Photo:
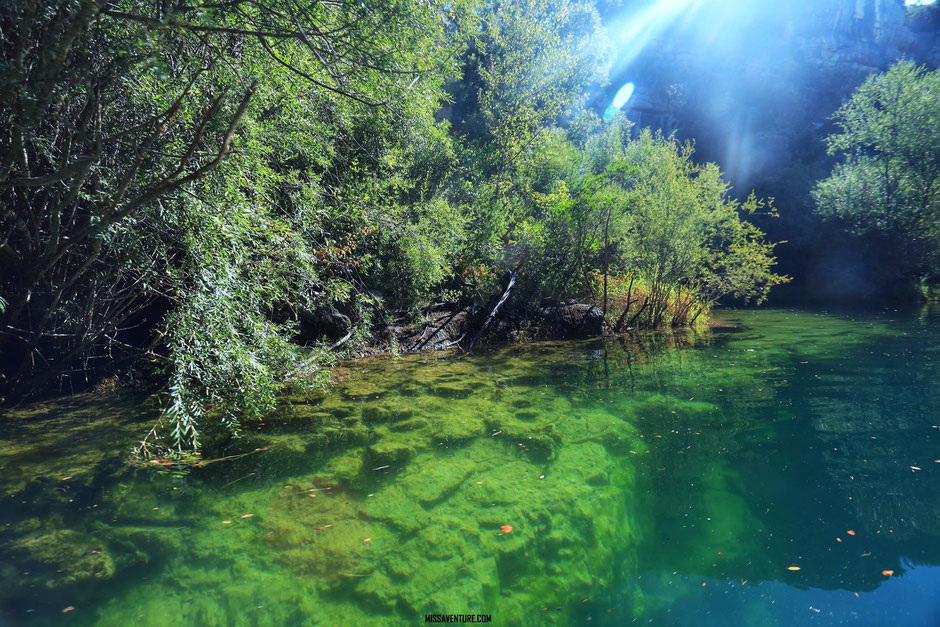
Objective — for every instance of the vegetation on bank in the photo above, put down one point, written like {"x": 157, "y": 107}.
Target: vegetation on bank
{"x": 182, "y": 185}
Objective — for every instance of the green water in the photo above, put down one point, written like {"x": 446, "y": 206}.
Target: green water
{"x": 667, "y": 479}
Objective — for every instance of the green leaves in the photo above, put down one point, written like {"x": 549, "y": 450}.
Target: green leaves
{"x": 233, "y": 166}
{"x": 641, "y": 208}
{"x": 889, "y": 179}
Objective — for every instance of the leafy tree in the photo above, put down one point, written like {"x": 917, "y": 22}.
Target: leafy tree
{"x": 530, "y": 67}
{"x": 203, "y": 160}
{"x": 643, "y": 209}
{"x": 888, "y": 182}
{"x": 689, "y": 241}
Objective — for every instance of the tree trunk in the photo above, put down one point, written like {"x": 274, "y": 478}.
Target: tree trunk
{"x": 489, "y": 319}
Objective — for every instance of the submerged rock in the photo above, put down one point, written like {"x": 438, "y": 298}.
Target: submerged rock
{"x": 64, "y": 556}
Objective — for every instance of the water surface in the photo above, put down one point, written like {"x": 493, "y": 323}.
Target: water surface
{"x": 781, "y": 469}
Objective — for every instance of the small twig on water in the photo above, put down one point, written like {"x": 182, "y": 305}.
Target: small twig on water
{"x": 239, "y": 479}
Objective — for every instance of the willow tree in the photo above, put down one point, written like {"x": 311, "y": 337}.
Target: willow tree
{"x": 179, "y": 169}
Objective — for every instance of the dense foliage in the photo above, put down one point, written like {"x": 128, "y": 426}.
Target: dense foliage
{"x": 639, "y": 208}
{"x": 206, "y": 162}
{"x": 186, "y": 184}
{"x": 888, "y": 182}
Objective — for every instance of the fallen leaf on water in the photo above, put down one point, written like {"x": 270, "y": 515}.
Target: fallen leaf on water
{"x": 850, "y": 532}
{"x": 68, "y": 609}
{"x": 887, "y": 573}
{"x": 506, "y": 528}
{"x": 246, "y": 515}
{"x": 793, "y": 567}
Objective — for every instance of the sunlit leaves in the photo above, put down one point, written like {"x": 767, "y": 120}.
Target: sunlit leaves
{"x": 643, "y": 208}
{"x": 889, "y": 180}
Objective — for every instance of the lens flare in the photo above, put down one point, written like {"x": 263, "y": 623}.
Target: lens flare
{"x": 633, "y": 31}
{"x": 620, "y": 100}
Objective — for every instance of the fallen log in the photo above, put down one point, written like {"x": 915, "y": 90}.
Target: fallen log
{"x": 489, "y": 319}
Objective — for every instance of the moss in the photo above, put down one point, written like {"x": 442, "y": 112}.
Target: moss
{"x": 64, "y": 556}
{"x": 586, "y": 465}
{"x": 346, "y": 467}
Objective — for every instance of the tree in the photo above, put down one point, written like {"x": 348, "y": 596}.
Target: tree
{"x": 642, "y": 209}
{"x": 689, "y": 241}
{"x": 189, "y": 173}
{"x": 531, "y": 65}
{"x": 888, "y": 182}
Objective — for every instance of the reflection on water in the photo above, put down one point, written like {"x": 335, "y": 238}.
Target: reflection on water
{"x": 781, "y": 469}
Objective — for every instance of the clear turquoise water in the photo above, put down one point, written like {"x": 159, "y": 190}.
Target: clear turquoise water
{"x": 667, "y": 479}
